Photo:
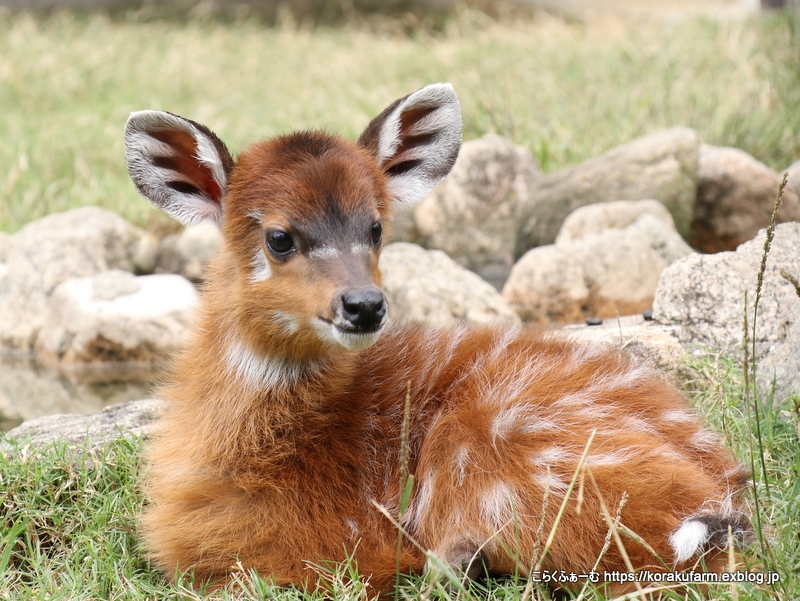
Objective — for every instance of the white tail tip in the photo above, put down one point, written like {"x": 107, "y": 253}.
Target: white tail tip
{"x": 688, "y": 540}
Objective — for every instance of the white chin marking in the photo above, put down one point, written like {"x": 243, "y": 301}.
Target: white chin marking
{"x": 688, "y": 539}
{"x": 353, "y": 341}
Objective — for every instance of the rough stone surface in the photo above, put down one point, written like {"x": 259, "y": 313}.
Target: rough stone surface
{"x": 655, "y": 344}
{"x": 792, "y": 181}
{"x": 52, "y": 250}
{"x": 189, "y": 252}
{"x": 611, "y": 273}
{"x": 134, "y": 418}
{"x": 6, "y": 241}
{"x": 735, "y": 198}
{"x": 704, "y": 295}
{"x": 615, "y": 215}
{"x": 426, "y": 286}
{"x": 116, "y": 316}
{"x": 474, "y": 214}
{"x": 661, "y": 166}
{"x": 661, "y": 237}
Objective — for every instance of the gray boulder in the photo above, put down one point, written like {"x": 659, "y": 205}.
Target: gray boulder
{"x": 662, "y": 166}
{"x": 615, "y": 215}
{"x": 614, "y": 272}
{"x": 792, "y": 181}
{"x": 116, "y": 316}
{"x": 49, "y": 251}
{"x": 649, "y": 342}
{"x": 704, "y": 296}
{"x": 474, "y": 214}
{"x": 6, "y": 241}
{"x": 735, "y": 198}
{"x": 189, "y": 252}
{"x": 134, "y": 418}
{"x": 426, "y": 286}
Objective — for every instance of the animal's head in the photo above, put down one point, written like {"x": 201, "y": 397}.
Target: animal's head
{"x": 302, "y": 216}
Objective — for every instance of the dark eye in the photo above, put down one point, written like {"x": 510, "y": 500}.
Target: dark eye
{"x": 280, "y": 243}
{"x": 376, "y": 232}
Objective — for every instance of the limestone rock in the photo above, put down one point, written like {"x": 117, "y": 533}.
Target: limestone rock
{"x": 655, "y": 344}
{"x": 6, "y": 241}
{"x": 792, "y": 181}
{"x": 116, "y": 316}
{"x": 189, "y": 252}
{"x": 95, "y": 431}
{"x": 49, "y": 251}
{"x": 735, "y": 198}
{"x": 661, "y": 166}
{"x": 704, "y": 295}
{"x": 426, "y": 286}
{"x": 615, "y": 215}
{"x": 611, "y": 273}
{"x": 474, "y": 214}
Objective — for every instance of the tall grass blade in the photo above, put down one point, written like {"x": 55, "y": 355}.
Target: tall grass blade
{"x": 753, "y": 362}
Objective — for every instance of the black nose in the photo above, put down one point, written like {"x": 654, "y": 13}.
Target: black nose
{"x": 364, "y": 309}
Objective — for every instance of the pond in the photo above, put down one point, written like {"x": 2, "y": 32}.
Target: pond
{"x": 29, "y": 389}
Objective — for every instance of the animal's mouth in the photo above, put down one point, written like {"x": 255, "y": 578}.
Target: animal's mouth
{"x": 349, "y": 336}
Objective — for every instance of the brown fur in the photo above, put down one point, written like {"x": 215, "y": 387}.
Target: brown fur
{"x": 285, "y": 472}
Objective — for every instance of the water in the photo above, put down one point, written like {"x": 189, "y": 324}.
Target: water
{"x": 29, "y": 389}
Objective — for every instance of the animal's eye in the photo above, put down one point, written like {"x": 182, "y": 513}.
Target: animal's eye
{"x": 280, "y": 243}
{"x": 376, "y": 233}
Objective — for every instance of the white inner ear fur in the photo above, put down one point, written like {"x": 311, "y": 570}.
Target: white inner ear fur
{"x": 141, "y": 147}
{"x": 410, "y": 187}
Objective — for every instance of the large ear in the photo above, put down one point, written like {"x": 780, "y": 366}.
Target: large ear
{"x": 416, "y": 141}
{"x": 178, "y": 165}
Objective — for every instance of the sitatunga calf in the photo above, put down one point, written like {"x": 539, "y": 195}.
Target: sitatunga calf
{"x": 282, "y": 438}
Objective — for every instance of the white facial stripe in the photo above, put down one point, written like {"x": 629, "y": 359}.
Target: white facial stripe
{"x": 261, "y": 268}
{"x": 325, "y": 252}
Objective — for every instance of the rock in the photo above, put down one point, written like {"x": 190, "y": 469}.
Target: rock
{"x": 426, "y": 286}
{"x": 6, "y": 241}
{"x": 792, "y": 181}
{"x": 735, "y": 198}
{"x": 661, "y": 237}
{"x": 615, "y": 215}
{"x": 116, "y": 316}
{"x": 133, "y": 418}
{"x": 611, "y": 273}
{"x": 662, "y": 166}
{"x": 146, "y": 254}
{"x": 704, "y": 295}
{"x": 654, "y": 344}
{"x": 189, "y": 252}
{"x": 52, "y": 250}
{"x": 474, "y": 214}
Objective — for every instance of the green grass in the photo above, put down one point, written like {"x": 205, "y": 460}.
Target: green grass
{"x": 565, "y": 90}
{"x": 68, "y": 526}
